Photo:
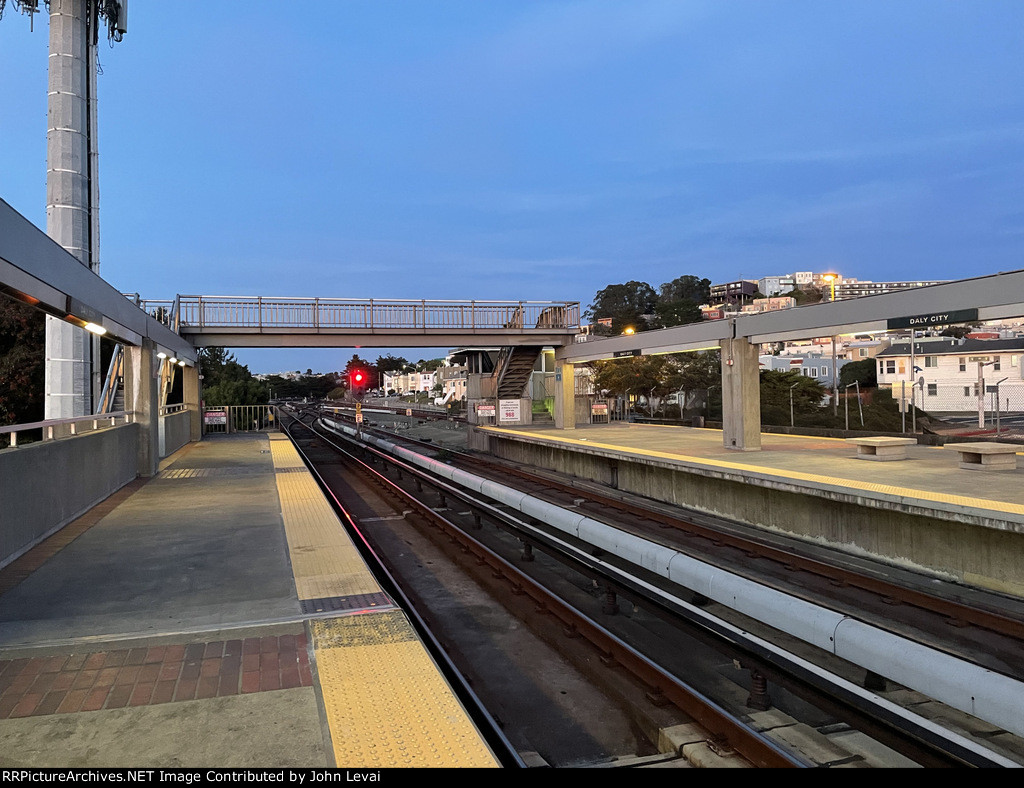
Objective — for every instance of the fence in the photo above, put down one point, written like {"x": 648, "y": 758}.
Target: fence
{"x": 226, "y": 419}
{"x": 58, "y": 428}
{"x": 959, "y": 407}
{"x": 340, "y": 313}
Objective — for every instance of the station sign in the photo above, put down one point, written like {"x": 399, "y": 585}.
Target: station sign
{"x": 934, "y": 319}
{"x": 625, "y": 353}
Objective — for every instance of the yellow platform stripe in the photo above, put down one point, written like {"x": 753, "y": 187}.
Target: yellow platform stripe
{"x": 386, "y": 703}
{"x": 886, "y": 489}
{"x": 325, "y": 562}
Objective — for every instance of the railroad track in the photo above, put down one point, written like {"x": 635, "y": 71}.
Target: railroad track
{"x": 982, "y": 627}
{"x": 920, "y": 740}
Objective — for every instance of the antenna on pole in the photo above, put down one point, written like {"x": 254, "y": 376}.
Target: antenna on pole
{"x": 113, "y": 12}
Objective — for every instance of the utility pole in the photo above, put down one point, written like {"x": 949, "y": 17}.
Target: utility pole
{"x": 73, "y": 381}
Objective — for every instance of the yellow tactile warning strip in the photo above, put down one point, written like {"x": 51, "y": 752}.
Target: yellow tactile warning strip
{"x": 386, "y": 702}
{"x": 387, "y": 705}
{"x": 324, "y": 560}
{"x": 835, "y": 481}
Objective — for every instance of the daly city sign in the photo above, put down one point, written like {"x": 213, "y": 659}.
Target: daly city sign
{"x": 935, "y": 319}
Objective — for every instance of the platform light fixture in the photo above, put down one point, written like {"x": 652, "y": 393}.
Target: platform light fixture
{"x": 98, "y": 330}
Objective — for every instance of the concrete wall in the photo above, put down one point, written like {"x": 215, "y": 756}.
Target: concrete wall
{"x": 175, "y": 432}
{"x": 44, "y": 486}
{"x": 988, "y": 554}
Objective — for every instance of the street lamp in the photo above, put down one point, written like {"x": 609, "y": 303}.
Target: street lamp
{"x": 831, "y": 279}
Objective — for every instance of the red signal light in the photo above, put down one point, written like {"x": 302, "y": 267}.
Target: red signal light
{"x": 358, "y": 377}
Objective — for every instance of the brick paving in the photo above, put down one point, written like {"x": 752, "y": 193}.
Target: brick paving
{"x": 143, "y": 676}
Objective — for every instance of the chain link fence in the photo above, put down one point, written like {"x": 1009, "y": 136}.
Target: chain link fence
{"x": 959, "y": 408}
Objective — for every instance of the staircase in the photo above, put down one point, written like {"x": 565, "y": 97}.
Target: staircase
{"x": 515, "y": 371}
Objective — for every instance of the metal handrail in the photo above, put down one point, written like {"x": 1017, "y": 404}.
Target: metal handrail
{"x": 114, "y": 373}
{"x": 338, "y": 313}
{"x": 49, "y": 424}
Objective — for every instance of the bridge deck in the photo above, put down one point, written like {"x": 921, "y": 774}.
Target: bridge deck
{"x": 217, "y": 615}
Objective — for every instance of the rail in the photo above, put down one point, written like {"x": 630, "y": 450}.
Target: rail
{"x": 239, "y": 418}
{"x": 259, "y": 312}
{"x": 50, "y": 426}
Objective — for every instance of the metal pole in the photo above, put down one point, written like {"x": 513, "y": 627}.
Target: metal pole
{"x": 998, "y": 409}
{"x": 72, "y": 196}
{"x": 792, "y": 422}
{"x": 981, "y": 396}
{"x": 835, "y": 376}
{"x": 903, "y": 404}
{"x": 860, "y": 406}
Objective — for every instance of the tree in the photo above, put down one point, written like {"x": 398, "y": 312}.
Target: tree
{"x": 959, "y": 331}
{"x": 22, "y": 362}
{"x": 390, "y": 363}
{"x": 640, "y": 376}
{"x": 808, "y": 396}
{"x": 677, "y": 313}
{"x": 430, "y": 365}
{"x": 864, "y": 372}
{"x": 625, "y": 304}
{"x": 811, "y": 295}
{"x": 695, "y": 371}
{"x": 690, "y": 288}
{"x": 226, "y": 382}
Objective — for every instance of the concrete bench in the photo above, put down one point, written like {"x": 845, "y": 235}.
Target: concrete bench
{"x": 987, "y": 456}
{"x": 882, "y": 449}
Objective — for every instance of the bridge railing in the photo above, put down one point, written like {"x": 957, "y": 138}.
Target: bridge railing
{"x": 340, "y": 313}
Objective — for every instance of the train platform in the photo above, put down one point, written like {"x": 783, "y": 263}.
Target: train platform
{"x": 925, "y": 510}
{"x": 217, "y": 615}
{"x": 930, "y": 475}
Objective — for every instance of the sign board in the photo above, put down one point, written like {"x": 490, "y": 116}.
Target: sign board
{"x": 215, "y": 417}
{"x": 485, "y": 410}
{"x": 599, "y": 409}
{"x": 624, "y": 353}
{"x": 359, "y": 418}
{"x": 408, "y": 411}
{"x": 508, "y": 410}
{"x": 979, "y": 359}
{"x": 359, "y": 407}
{"x": 934, "y": 319}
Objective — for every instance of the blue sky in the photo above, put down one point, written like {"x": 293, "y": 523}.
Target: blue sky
{"x": 537, "y": 150}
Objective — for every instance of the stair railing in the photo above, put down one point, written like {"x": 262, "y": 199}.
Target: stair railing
{"x": 114, "y": 374}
